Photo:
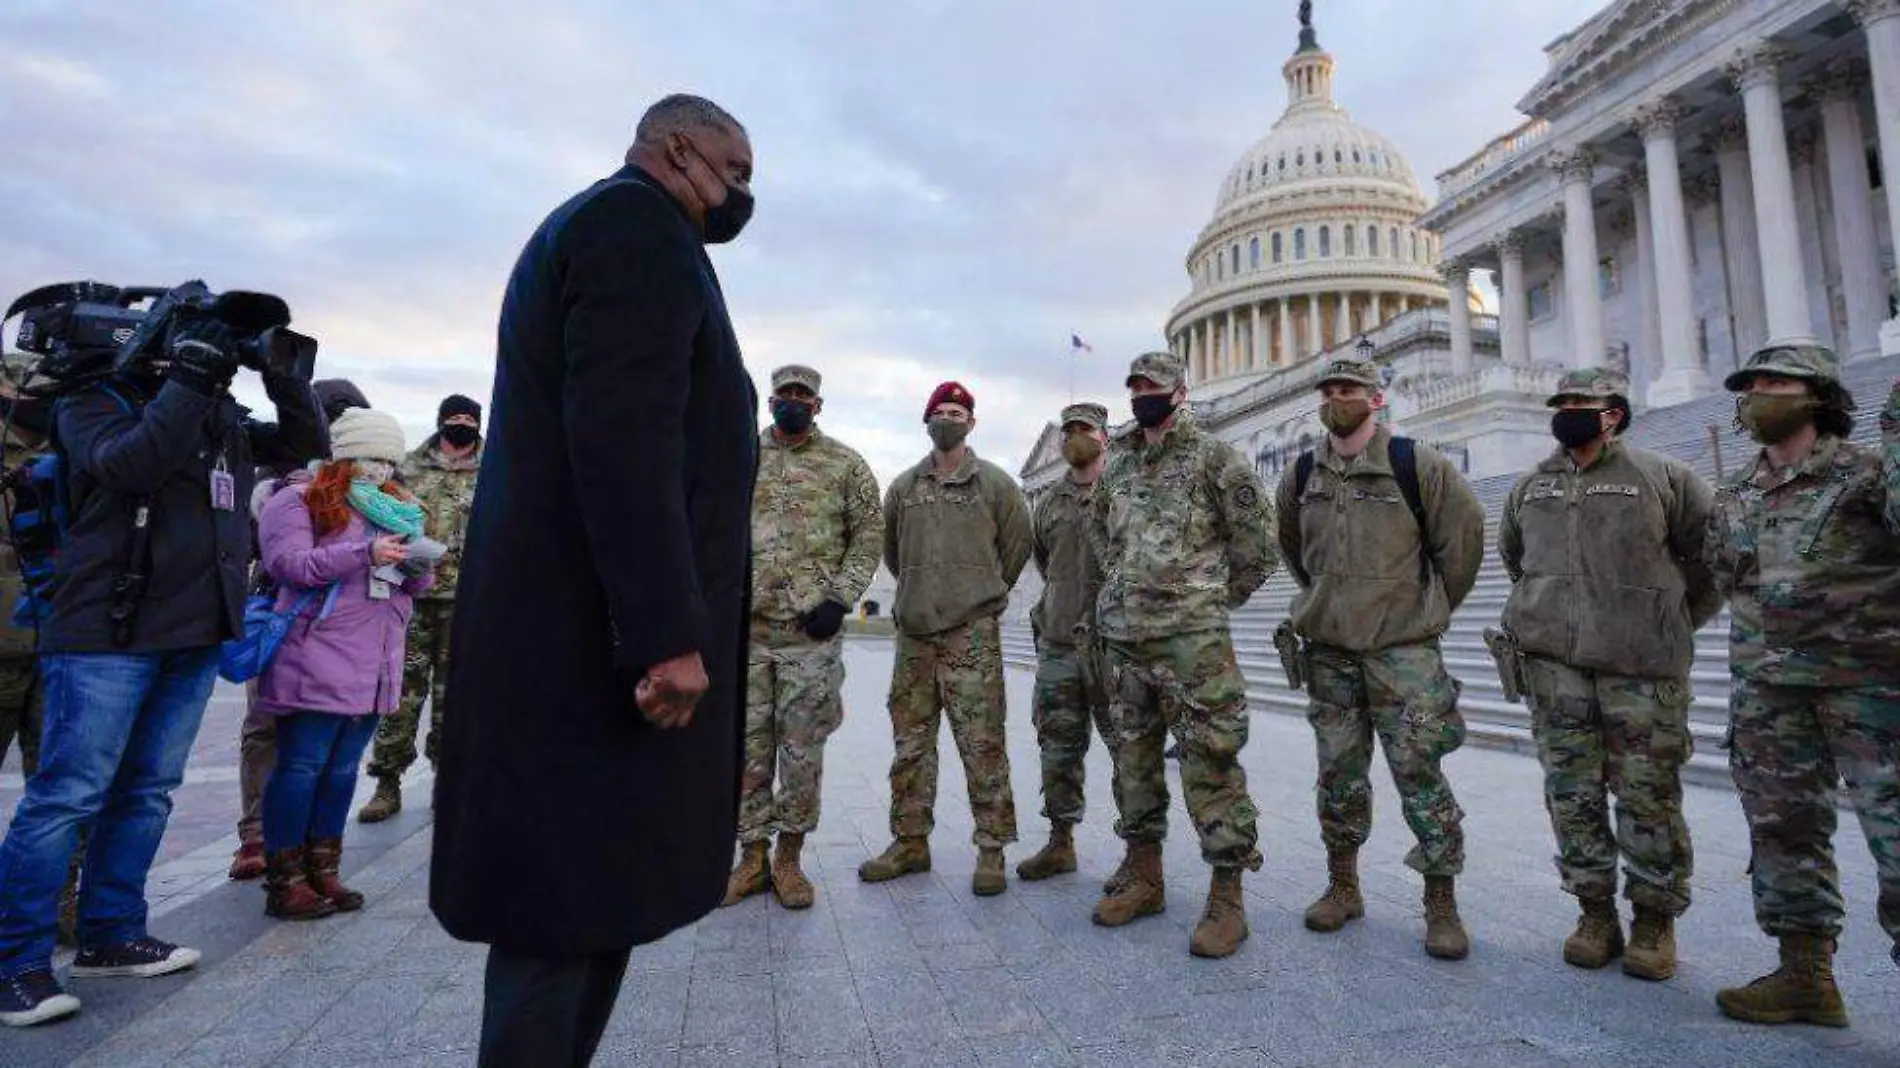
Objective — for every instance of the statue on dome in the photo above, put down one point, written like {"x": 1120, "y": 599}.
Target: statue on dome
{"x": 1306, "y": 14}
{"x": 1309, "y": 38}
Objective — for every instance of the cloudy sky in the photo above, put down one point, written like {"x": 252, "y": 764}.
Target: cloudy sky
{"x": 947, "y": 188}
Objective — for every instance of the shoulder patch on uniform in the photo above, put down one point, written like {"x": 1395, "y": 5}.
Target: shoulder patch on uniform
{"x": 1245, "y": 496}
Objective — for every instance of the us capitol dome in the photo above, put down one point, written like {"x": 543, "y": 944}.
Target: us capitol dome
{"x": 1314, "y": 240}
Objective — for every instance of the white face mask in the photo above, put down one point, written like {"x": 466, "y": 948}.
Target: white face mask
{"x": 375, "y": 472}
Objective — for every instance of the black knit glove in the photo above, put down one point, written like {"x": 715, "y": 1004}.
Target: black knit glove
{"x": 203, "y": 355}
{"x": 824, "y": 622}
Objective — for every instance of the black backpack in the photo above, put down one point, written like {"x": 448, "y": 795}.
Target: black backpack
{"x": 1405, "y": 470}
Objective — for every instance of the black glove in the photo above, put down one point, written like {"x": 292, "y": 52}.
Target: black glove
{"x": 203, "y": 355}
{"x": 824, "y": 622}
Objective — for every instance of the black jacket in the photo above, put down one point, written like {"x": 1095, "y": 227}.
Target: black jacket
{"x": 164, "y": 451}
{"x": 611, "y": 531}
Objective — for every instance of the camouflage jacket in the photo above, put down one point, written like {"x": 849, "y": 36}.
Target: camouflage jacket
{"x": 1606, "y": 562}
{"x": 957, "y": 543}
{"x": 1810, "y": 559}
{"x": 815, "y": 526}
{"x": 15, "y": 642}
{"x": 446, "y": 489}
{"x": 1183, "y": 531}
{"x": 1353, "y": 546}
{"x": 1071, "y": 581}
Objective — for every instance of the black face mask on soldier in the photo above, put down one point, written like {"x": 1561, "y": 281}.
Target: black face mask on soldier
{"x": 460, "y": 435}
{"x": 792, "y": 417}
{"x": 1576, "y": 427}
{"x": 1152, "y": 409}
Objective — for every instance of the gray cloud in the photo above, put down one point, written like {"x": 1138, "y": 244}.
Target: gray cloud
{"x": 946, "y": 189}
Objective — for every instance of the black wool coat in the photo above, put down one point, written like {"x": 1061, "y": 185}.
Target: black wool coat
{"x": 610, "y": 531}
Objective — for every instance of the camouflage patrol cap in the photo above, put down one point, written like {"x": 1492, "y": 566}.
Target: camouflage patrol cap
{"x": 796, "y": 375}
{"x": 1358, "y": 372}
{"x": 1790, "y": 359}
{"x": 1092, "y": 415}
{"x": 1162, "y": 368}
{"x": 1591, "y": 383}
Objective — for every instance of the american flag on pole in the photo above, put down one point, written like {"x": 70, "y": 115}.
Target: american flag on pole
{"x": 1076, "y": 344}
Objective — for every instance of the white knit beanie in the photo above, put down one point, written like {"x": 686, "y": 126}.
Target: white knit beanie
{"x": 366, "y": 434}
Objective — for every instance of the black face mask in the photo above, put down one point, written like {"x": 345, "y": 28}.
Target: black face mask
{"x": 792, "y": 417}
{"x": 1153, "y": 409}
{"x": 1576, "y": 427}
{"x": 460, "y": 436}
{"x": 724, "y": 221}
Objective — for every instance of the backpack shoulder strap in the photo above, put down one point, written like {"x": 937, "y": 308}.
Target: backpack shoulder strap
{"x": 1404, "y": 454}
{"x": 1302, "y": 473}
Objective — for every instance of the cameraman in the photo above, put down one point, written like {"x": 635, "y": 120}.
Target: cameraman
{"x": 151, "y": 579}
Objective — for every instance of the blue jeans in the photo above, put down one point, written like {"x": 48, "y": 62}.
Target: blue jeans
{"x": 119, "y": 728}
{"x": 308, "y": 798}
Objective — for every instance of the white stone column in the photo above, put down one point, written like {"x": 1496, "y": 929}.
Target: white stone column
{"x": 1458, "y": 281}
{"x": 1583, "y": 307}
{"x": 1286, "y": 331}
{"x": 1514, "y": 307}
{"x": 1310, "y": 336}
{"x": 1863, "y": 284}
{"x": 1375, "y": 314}
{"x": 1256, "y": 355}
{"x": 1784, "y": 276}
{"x": 1683, "y": 377}
{"x": 1747, "y": 303}
{"x": 1882, "y": 21}
{"x": 1636, "y": 185}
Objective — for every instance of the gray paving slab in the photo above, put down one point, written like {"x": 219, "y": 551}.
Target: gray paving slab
{"x": 921, "y": 972}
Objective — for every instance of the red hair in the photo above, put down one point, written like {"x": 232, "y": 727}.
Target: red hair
{"x": 328, "y": 496}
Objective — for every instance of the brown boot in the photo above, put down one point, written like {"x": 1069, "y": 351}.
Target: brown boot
{"x": 1056, "y": 858}
{"x": 1143, "y": 893}
{"x": 1598, "y": 939}
{"x": 322, "y": 859}
{"x": 1802, "y": 990}
{"x": 248, "y": 861}
{"x": 749, "y": 877}
{"x": 1445, "y": 936}
{"x": 902, "y": 857}
{"x": 789, "y": 884}
{"x": 386, "y": 803}
{"x": 1119, "y": 877}
{"x": 1652, "y": 951}
{"x": 288, "y": 894}
{"x": 1223, "y": 926}
{"x": 1341, "y": 903}
{"x": 989, "y": 880}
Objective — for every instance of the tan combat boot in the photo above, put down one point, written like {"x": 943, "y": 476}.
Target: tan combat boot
{"x": 1142, "y": 894}
{"x": 902, "y": 857}
{"x": 1119, "y": 877}
{"x": 1223, "y": 926}
{"x": 989, "y": 880}
{"x": 749, "y": 876}
{"x": 1056, "y": 858}
{"x": 789, "y": 884}
{"x": 1652, "y": 950}
{"x": 1802, "y": 990}
{"x": 1598, "y": 939}
{"x": 1341, "y": 902}
{"x": 1445, "y": 936}
{"x": 386, "y": 803}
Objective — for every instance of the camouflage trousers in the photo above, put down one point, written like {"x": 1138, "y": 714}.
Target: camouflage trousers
{"x": 1069, "y": 698}
{"x": 425, "y": 679}
{"x": 22, "y": 699}
{"x": 1601, "y": 736}
{"x": 1189, "y": 685}
{"x": 792, "y": 705}
{"x": 958, "y": 674}
{"x": 1791, "y": 748}
{"x": 1404, "y": 696}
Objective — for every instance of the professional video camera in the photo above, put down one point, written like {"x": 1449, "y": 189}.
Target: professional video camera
{"x": 84, "y": 330}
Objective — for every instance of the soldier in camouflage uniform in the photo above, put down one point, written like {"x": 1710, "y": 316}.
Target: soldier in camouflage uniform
{"x": 1378, "y": 585}
{"x": 441, "y": 473}
{"x": 956, "y": 535}
{"x": 1184, "y": 535}
{"x": 1069, "y": 691}
{"x": 816, "y": 533}
{"x": 1806, "y": 542}
{"x": 1603, "y": 543}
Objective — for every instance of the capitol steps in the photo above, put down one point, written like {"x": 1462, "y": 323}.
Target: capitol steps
{"x": 1682, "y": 432}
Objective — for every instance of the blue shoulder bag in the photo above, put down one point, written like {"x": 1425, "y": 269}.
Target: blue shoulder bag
{"x": 265, "y": 626}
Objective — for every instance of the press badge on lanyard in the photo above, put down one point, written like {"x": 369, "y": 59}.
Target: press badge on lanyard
{"x": 223, "y": 486}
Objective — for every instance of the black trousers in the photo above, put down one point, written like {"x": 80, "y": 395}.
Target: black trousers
{"x": 547, "y": 1012}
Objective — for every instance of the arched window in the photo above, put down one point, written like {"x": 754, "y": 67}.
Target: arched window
{"x": 1339, "y": 156}
{"x": 1299, "y": 160}
{"x": 1394, "y": 235}
{"x": 1415, "y": 246}
{"x": 1372, "y": 241}
{"x": 1279, "y": 253}
{"x": 1236, "y": 259}
{"x": 1352, "y": 240}
{"x": 1299, "y": 244}
{"x": 1325, "y": 242}
{"x": 1220, "y": 267}
{"x": 1253, "y": 253}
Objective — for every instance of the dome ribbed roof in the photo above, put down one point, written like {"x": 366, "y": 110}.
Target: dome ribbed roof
{"x": 1320, "y": 145}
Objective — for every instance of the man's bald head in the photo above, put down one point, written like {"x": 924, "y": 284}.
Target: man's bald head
{"x": 683, "y": 113}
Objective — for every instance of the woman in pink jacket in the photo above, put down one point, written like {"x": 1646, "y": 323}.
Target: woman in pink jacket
{"x": 337, "y": 544}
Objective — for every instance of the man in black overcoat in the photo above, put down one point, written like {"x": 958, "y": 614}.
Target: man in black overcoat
{"x": 587, "y": 793}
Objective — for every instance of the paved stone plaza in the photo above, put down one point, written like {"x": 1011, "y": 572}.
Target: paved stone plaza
{"x": 920, "y": 972}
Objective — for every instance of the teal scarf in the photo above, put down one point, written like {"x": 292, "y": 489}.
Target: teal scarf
{"x": 384, "y": 511}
